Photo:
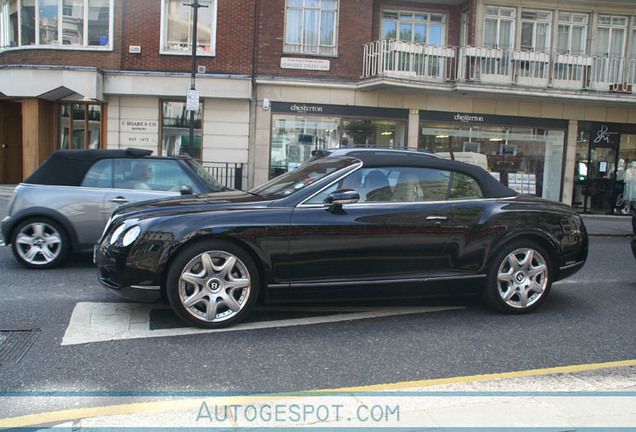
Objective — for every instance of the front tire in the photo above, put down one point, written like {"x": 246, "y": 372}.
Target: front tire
{"x": 519, "y": 278}
{"x": 40, "y": 243}
{"x": 212, "y": 284}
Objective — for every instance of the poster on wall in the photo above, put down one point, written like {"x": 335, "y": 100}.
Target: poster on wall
{"x": 523, "y": 183}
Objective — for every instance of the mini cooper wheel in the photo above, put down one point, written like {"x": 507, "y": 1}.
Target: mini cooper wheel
{"x": 40, "y": 243}
{"x": 519, "y": 278}
{"x": 212, "y": 284}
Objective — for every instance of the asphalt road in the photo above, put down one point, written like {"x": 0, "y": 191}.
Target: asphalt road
{"x": 587, "y": 319}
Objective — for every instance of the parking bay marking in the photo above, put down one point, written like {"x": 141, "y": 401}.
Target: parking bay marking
{"x": 100, "y": 322}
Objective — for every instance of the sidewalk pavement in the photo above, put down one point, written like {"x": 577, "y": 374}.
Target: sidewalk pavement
{"x": 597, "y": 225}
{"x": 584, "y": 397}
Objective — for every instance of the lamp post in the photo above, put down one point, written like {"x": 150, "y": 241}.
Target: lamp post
{"x": 192, "y": 96}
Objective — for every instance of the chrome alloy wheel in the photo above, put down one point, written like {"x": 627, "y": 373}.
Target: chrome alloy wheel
{"x": 38, "y": 243}
{"x": 214, "y": 286}
{"x": 522, "y": 278}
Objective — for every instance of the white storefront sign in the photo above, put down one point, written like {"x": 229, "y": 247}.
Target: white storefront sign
{"x": 139, "y": 132}
{"x": 304, "y": 64}
{"x": 139, "y": 126}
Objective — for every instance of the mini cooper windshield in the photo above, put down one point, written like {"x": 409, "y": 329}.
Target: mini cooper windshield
{"x": 297, "y": 179}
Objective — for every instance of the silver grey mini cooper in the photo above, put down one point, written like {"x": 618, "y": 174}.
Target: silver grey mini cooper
{"x": 65, "y": 204}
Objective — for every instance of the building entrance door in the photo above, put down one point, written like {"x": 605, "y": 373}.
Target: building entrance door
{"x": 10, "y": 142}
{"x": 601, "y": 179}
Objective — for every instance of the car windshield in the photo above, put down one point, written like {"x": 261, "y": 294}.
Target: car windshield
{"x": 214, "y": 185}
{"x": 295, "y": 180}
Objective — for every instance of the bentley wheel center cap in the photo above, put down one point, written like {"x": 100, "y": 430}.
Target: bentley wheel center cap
{"x": 214, "y": 285}
{"x": 520, "y": 277}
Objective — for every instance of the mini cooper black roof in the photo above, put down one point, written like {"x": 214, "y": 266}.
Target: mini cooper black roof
{"x": 68, "y": 167}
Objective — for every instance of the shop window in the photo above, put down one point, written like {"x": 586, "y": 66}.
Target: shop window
{"x": 178, "y": 19}
{"x": 528, "y": 160}
{"x": 295, "y": 137}
{"x": 175, "y": 130}
{"x": 83, "y": 23}
{"x": 79, "y": 126}
{"x": 311, "y": 27}
{"x": 410, "y": 26}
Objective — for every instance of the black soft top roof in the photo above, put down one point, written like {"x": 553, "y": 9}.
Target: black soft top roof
{"x": 490, "y": 186}
{"x": 68, "y": 167}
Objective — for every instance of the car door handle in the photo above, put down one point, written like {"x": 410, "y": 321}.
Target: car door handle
{"x": 119, "y": 199}
{"x": 436, "y": 219}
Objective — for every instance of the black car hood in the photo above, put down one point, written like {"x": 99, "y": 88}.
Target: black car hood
{"x": 192, "y": 204}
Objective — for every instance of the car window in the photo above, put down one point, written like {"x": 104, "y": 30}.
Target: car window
{"x": 387, "y": 184}
{"x": 151, "y": 174}
{"x": 100, "y": 175}
{"x": 421, "y": 184}
{"x": 301, "y": 177}
{"x": 371, "y": 183}
{"x": 464, "y": 186}
{"x": 212, "y": 183}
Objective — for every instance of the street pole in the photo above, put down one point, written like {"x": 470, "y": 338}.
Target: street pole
{"x": 195, "y": 5}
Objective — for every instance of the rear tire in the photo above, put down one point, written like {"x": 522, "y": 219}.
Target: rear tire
{"x": 40, "y": 243}
{"x": 519, "y": 278}
{"x": 212, "y": 284}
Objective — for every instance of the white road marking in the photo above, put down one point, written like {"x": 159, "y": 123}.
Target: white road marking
{"x": 100, "y": 322}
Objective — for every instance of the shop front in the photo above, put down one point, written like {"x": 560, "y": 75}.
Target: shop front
{"x": 526, "y": 154}
{"x": 298, "y": 129}
{"x": 605, "y": 170}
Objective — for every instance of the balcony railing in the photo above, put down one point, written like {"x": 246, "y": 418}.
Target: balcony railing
{"x": 424, "y": 63}
{"x": 227, "y": 173}
{"x": 392, "y": 58}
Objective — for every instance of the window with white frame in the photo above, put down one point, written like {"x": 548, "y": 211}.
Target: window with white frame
{"x": 418, "y": 27}
{"x": 56, "y": 23}
{"x": 311, "y": 27}
{"x": 177, "y": 26}
{"x": 499, "y": 27}
{"x": 571, "y": 33}
{"x": 611, "y": 36}
{"x": 535, "y": 30}
{"x": 634, "y": 42}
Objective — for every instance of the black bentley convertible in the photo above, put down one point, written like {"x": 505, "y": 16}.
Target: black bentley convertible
{"x": 371, "y": 218}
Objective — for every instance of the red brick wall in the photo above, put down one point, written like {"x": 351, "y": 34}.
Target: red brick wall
{"x": 110, "y": 60}
{"x": 234, "y": 39}
{"x": 138, "y": 22}
{"x": 355, "y": 17}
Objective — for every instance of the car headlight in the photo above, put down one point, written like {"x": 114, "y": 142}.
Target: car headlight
{"x": 117, "y": 233}
{"x": 129, "y": 230}
{"x": 131, "y": 235}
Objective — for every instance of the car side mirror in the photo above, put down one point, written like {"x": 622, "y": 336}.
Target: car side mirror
{"x": 186, "y": 190}
{"x": 340, "y": 197}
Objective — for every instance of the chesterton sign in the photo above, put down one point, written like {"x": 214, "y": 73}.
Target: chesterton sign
{"x": 139, "y": 126}
{"x": 304, "y": 109}
{"x": 468, "y": 118}
{"x": 305, "y": 64}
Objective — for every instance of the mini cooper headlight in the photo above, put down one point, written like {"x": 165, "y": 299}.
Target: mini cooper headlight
{"x": 131, "y": 235}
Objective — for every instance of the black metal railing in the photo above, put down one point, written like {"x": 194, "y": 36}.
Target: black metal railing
{"x": 229, "y": 174}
